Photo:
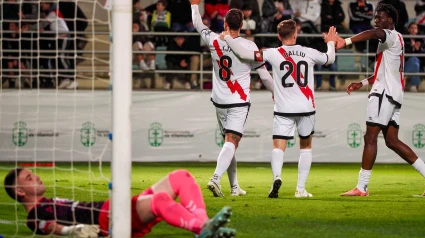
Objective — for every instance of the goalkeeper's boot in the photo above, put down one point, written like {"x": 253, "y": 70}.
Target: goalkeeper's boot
{"x": 212, "y": 226}
{"x": 237, "y": 191}
{"x": 274, "y": 190}
{"x": 215, "y": 188}
{"x": 225, "y": 232}
{"x": 355, "y": 192}
{"x": 303, "y": 194}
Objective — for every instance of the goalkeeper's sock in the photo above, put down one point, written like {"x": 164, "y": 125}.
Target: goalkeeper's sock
{"x": 184, "y": 185}
{"x": 419, "y": 165}
{"x": 232, "y": 174}
{"x": 277, "y": 163}
{"x": 164, "y": 207}
{"x": 304, "y": 165}
{"x": 223, "y": 161}
{"x": 364, "y": 177}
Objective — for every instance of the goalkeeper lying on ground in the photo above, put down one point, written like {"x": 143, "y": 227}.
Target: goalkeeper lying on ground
{"x": 90, "y": 219}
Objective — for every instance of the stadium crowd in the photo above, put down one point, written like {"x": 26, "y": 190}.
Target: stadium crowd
{"x": 42, "y": 36}
{"x": 312, "y": 17}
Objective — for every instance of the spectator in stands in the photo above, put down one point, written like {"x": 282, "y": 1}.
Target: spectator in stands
{"x": 144, "y": 62}
{"x": 77, "y": 23}
{"x": 308, "y": 12}
{"x": 161, "y": 22}
{"x": 403, "y": 17}
{"x": 412, "y": 63}
{"x": 58, "y": 33}
{"x": 10, "y": 53}
{"x": 215, "y": 10}
{"x": 253, "y": 4}
{"x": 178, "y": 61}
{"x": 249, "y": 25}
{"x": 136, "y": 9}
{"x": 161, "y": 18}
{"x": 361, "y": 13}
{"x": 272, "y": 7}
{"x": 420, "y": 15}
{"x": 333, "y": 15}
{"x": 141, "y": 43}
{"x": 180, "y": 19}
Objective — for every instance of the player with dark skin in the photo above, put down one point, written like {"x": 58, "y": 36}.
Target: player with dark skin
{"x": 383, "y": 21}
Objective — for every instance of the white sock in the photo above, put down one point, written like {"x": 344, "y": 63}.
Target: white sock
{"x": 364, "y": 177}
{"x": 232, "y": 174}
{"x": 419, "y": 165}
{"x": 304, "y": 165}
{"x": 224, "y": 160}
{"x": 277, "y": 163}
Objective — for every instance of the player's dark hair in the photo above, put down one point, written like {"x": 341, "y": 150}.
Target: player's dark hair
{"x": 234, "y": 18}
{"x": 10, "y": 182}
{"x": 286, "y": 29}
{"x": 390, "y": 10}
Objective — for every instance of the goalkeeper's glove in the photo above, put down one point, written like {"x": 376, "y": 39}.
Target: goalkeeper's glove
{"x": 81, "y": 230}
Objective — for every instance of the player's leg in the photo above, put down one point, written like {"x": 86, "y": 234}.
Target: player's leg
{"x": 231, "y": 121}
{"x": 180, "y": 183}
{"x": 379, "y": 112}
{"x": 368, "y": 160}
{"x": 283, "y": 130}
{"x": 305, "y": 131}
{"x": 404, "y": 151}
{"x": 233, "y": 179}
{"x": 160, "y": 206}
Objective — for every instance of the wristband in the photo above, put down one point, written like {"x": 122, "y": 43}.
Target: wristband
{"x": 348, "y": 41}
{"x": 365, "y": 82}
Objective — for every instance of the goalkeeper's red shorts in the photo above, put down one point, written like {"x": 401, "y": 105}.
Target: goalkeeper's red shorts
{"x": 138, "y": 228}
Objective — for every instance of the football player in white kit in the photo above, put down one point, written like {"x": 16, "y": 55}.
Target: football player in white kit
{"x": 230, "y": 93}
{"x": 386, "y": 96}
{"x": 293, "y": 94}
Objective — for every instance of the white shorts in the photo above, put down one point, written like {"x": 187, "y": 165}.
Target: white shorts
{"x": 232, "y": 120}
{"x": 284, "y": 127}
{"x": 381, "y": 112}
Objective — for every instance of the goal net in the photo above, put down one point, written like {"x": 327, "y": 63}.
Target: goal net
{"x": 54, "y": 118}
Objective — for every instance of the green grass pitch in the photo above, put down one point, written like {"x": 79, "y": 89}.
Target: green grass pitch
{"x": 391, "y": 210}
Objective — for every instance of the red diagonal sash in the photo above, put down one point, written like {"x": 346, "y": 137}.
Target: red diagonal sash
{"x": 234, "y": 87}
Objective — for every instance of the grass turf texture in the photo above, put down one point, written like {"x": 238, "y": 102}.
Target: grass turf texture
{"x": 389, "y": 211}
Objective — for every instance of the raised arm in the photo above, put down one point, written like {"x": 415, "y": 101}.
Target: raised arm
{"x": 330, "y": 39}
{"x": 196, "y": 16}
{"x": 377, "y": 33}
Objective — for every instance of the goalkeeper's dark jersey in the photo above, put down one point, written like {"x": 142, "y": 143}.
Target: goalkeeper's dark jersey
{"x": 64, "y": 212}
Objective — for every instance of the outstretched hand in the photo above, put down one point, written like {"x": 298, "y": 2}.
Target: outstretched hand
{"x": 223, "y": 34}
{"x": 353, "y": 86}
{"x": 339, "y": 43}
{"x": 331, "y": 35}
{"x": 195, "y": 2}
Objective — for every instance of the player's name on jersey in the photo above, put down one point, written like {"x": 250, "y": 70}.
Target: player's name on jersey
{"x": 290, "y": 53}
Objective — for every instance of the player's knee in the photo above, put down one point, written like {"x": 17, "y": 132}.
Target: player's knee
{"x": 370, "y": 139}
{"x": 181, "y": 174}
{"x": 391, "y": 143}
